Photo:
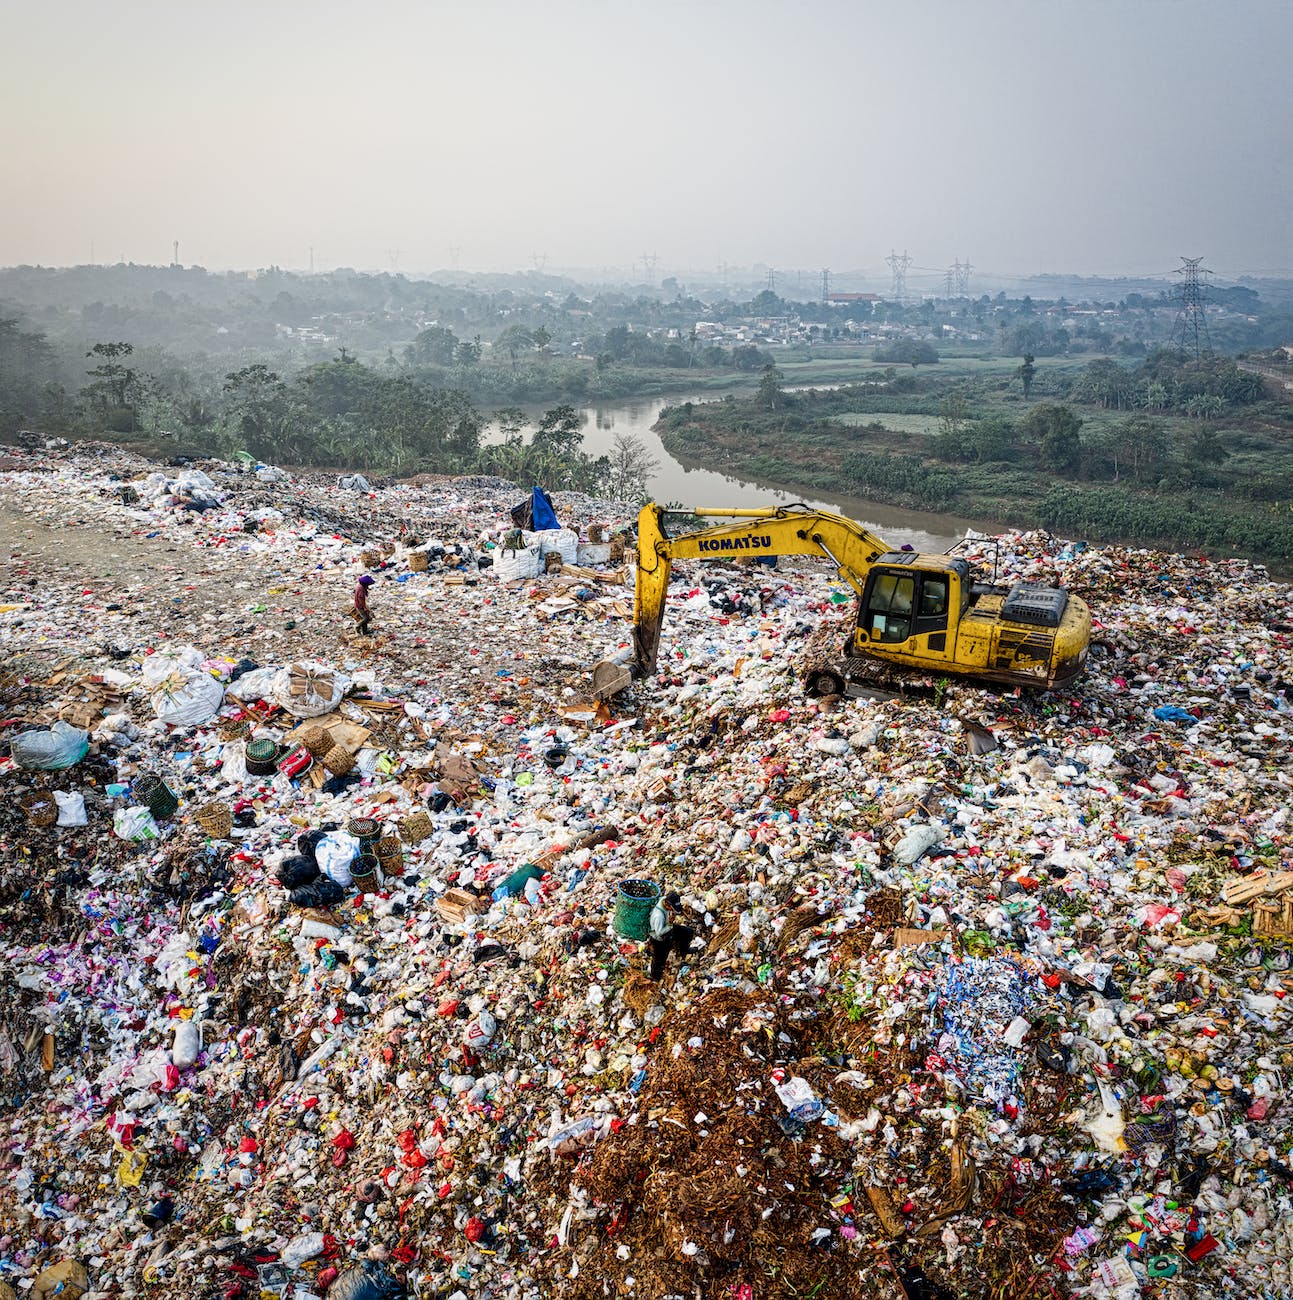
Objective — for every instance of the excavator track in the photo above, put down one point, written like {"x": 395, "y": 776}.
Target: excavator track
{"x": 869, "y": 679}
{"x": 828, "y": 670}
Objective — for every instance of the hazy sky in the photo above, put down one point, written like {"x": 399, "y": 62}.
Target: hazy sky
{"x": 1048, "y": 135}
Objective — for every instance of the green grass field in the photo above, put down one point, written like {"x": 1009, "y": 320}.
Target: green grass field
{"x": 898, "y": 421}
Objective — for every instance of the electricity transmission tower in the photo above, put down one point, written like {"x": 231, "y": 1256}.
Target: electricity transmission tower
{"x": 950, "y": 277}
{"x": 963, "y": 276}
{"x": 648, "y": 267}
{"x": 540, "y": 260}
{"x": 1190, "y": 331}
{"x": 826, "y": 283}
{"x": 898, "y": 265}
{"x": 772, "y": 280}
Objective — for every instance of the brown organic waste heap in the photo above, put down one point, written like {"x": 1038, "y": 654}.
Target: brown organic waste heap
{"x": 987, "y": 995}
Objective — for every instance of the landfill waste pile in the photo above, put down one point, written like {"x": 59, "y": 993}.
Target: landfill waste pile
{"x": 326, "y": 960}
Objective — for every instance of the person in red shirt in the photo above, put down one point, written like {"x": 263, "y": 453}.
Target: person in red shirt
{"x": 361, "y": 613}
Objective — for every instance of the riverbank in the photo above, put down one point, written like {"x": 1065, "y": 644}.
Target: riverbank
{"x": 812, "y": 446}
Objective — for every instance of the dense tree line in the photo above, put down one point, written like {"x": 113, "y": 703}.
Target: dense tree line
{"x": 338, "y": 413}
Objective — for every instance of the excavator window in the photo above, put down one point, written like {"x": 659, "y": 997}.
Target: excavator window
{"x": 888, "y": 612}
{"x": 933, "y": 597}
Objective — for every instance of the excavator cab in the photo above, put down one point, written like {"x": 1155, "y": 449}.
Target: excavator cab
{"x": 910, "y": 608}
{"x": 909, "y": 600}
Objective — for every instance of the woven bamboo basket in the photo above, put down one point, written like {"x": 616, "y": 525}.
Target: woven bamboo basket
{"x": 216, "y": 819}
{"x": 415, "y": 827}
{"x": 317, "y": 741}
{"x": 338, "y": 760}
{"x": 40, "y": 808}
{"x": 418, "y": 562}
{"x": 390, "y": 853}
{"x": 371, "y": 559}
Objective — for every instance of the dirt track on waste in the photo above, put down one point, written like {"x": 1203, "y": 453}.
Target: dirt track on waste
{"x": 175, "y": 590}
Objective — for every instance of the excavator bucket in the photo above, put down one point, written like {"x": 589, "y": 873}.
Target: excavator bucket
{"x": 609, "y": 679}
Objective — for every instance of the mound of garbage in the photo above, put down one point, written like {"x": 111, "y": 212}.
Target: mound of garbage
{"x": 402, "y": 966}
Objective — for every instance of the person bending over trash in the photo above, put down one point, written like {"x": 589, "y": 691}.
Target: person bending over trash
{"x": 361, "y": 613}
{"x": 665, "y": 936}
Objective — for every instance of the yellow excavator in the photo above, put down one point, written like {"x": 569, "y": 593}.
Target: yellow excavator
{"x": 918, "y": 613}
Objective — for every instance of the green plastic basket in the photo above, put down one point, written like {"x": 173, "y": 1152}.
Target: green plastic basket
{"x": 160, "y": 798}
{"x": 366, "y": 830}
{"x": 262, "y": 757}
{"x": 634, "y": 903}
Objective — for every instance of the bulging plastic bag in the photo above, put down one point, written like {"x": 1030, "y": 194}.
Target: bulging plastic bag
{"x": 50, "y": 751}
{"x": 367, "y": 1281}
{"x": 304, "y": 1246}
{"x": 71, "y": 808}
{"x": 256, "y": 684}
{"x": 334, "y": 853}
{"x": 233, "y": 761}
{"x": 319, "y": 893}
{"x": 309, "y": 690}
{"x": 183, "y": 694}
{"x": 562, "y": 540}
{"x": 916, "y": 843}
{"x": 798, "y": 1098}
{"x": 511, "y": 565}
{"x": 296, "y": 871}
{"x": 187, "y": 1045}
{"x": 135, "y": 824}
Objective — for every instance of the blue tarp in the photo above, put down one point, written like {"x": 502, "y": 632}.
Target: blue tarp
{"x": 542, "y": 514}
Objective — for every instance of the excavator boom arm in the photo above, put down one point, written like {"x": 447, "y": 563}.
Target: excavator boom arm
{"x": 779, "y": 531}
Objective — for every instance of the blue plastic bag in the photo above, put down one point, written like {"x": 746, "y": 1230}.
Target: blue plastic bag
{"x": 50, "y": 751}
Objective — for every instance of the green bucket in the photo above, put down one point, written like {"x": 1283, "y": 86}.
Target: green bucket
{"x": 634, "y": 903}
